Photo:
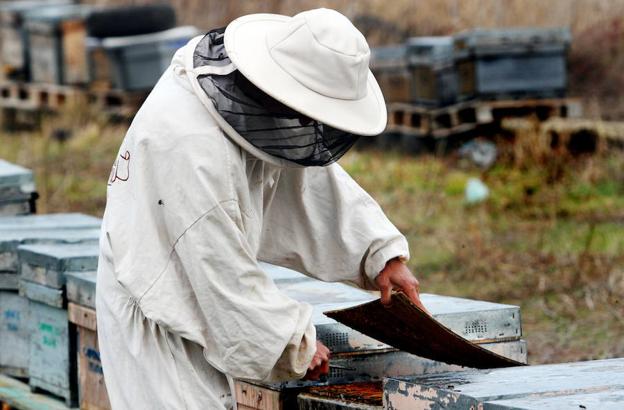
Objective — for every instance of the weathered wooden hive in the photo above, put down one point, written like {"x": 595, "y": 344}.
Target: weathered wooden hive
{"x": 81, "y": 312}
{"x": 52, "y": 366}
{"x": 17, "y": 190}
{"x": 14, "y": 308}
{"x": 358, "y": 358}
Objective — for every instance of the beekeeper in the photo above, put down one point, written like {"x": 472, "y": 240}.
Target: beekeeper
{"x": 231, "y": 161}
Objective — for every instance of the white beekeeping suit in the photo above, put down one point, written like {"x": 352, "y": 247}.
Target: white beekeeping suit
{"x": 192, "y": 206}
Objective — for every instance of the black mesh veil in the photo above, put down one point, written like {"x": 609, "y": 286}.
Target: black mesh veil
{"x": 263, "y": 121}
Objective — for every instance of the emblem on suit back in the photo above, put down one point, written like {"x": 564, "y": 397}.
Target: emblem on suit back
{"x": 121, "y": 169}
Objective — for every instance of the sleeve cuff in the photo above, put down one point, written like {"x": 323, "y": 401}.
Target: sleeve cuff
{"x": 376, "y": 261}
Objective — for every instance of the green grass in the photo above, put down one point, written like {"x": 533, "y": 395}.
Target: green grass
{"x": 550, "y": 238}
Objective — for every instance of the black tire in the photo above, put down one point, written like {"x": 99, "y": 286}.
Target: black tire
{"x": 130, "y": 20}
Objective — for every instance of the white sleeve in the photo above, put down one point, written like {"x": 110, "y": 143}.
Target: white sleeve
{"x": 322, "y": 223}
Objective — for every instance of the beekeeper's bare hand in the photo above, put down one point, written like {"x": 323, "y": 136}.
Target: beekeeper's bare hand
{"x": 319, "y": 365}
{"x": 396, "y": 276}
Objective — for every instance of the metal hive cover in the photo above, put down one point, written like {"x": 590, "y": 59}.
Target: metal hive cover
{"x": 15, "y": 180}
{"x": 10, "y": 240}
{"x": 50, "y": 221}
{"x": 61, "y": 257}
{"x": 597, "y": 384}
{"x": 405, "y": 326}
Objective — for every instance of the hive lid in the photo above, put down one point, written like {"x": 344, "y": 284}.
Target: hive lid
{"x": 47, "y": 264}
{"x": 405, "y": 326}
{"x": 10, "y": 240}
{"x": 50, "y": 221}
{"x": 15, "y": 181}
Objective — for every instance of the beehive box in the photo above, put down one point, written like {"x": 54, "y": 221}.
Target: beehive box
{"x": 17, "y": 190}
{"x": 14, "y": 334}
{"x": 10, "y": 240}
{"x": 136, "y": 62}
{"x": 362, "y": 359}
{"x": 13, "y": 40}
{"x": 53, "y": 344}
{"x": 57, "y": 41}
{"x": 583, "y": 385}
{"x": 433, "y": 77}
{"x": 503, "y": 63}
{"x": 51, "y": 352}
{"x": 81, "y": 312}
{"x": 389, "y": 65}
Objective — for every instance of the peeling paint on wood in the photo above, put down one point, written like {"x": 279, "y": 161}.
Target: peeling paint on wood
{"x": 42, "y": 294}
{"x": 52, "y": 364}
{"x": 599, "y": 384}
{"x": 93, "y": 395}
{"x": 14, "y": 334}
{"x": 81, "y": 288}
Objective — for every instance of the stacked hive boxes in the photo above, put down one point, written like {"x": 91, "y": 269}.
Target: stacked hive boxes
{"x": 81, "y": 310}
{"x": 14, "y": 44}
{"x": 17, "y": 190}
{"x": 358, "y": 358}
{"x": 512, "y": 62}
{"x": 52, "y": 363}
{"x": 15, "y": 231}
{"x": 484, "y": 64}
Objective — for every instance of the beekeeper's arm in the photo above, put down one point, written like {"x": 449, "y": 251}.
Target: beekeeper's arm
{"x": 322, "y": 223}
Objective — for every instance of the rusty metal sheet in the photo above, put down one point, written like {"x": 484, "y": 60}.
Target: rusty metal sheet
{"x": 406, "y": 327}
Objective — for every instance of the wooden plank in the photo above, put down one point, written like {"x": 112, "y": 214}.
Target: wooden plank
{"x": 252, "y": 397}
{"x": 93, "y": 394}
{"x": 517, "y": 388}
{"x": 82, "y": 316}
{"x": 405, "y": 326}
{"x": 18, "y": 395}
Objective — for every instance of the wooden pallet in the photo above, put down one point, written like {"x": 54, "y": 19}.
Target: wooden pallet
{"x": 17, "y": 395}
{"x": 35, "y": 97}
{"x": 418, "y": 121}
{"x": 467, "y": 116}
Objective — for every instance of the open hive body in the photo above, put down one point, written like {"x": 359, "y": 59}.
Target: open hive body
{"x": 362, "y": 359}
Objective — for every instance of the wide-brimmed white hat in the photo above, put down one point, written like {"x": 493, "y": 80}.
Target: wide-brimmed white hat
{"x": 315, "y": 63}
